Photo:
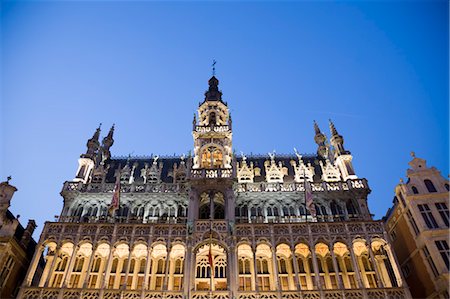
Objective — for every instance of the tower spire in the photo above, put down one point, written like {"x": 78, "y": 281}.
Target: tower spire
{"x": 333, "y": 130}
{"x": 320, "y": 139}
{"x": 93, "y": 144}
{"x": 107, "y": 142}
{"x": 337, "y": 141}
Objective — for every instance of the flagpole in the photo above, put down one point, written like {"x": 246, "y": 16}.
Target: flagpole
{"x": 304, "y": 186}
{"x": 211, "y": 260}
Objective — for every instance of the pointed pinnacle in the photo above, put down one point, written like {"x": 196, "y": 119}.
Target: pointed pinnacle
{"x": 316, "y": 128}
{"x": 333, "y": 128}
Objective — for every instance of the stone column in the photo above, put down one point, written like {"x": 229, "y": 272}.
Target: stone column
{"x": 232, "y": 270}
{"x": 295, "y": 265}
{"x": 255, "y": 268}
{"x": 275, "y": 274}
{"x": 88, "y": 270}
{"x": 356, "y": 270}
{"x": 363, "y": 272}
{"x": 393, "y": 263}
{"x": 166, "y": 272}
{"x": 33, "y": 265}
{"x": 148, "y": 263}
{"x": 187, "y": 271}
{"x": 316, "y": 268}
{"x": 379, "y": 281}
{"x": 105, "y": 276}
{"x": 345, "y": 278}
{"x": 68, "y": 272}
{"x": 127, "y": 269}
{"x": 384, "y": 273}
{"x": 336, "y": 269}
{"x": 52, "y": 266}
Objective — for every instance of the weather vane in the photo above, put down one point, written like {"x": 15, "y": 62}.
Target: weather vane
{"x": 214, "y": 67}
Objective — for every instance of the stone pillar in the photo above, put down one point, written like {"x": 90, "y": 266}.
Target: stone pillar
{"x": 89, "y": 266}
{"x": 316, "y": 268}
{"x": 384, "y": 273}
{"x": 295, "y": 265}
{"x": 166, "y": 272}
{"x": 336, "y": 269}
{"x": 100, "y": 273}
{"x": 33, "y": 265}
{"x": 275, "y": 274}
{"x": 105, "y": 276}
{"x": 394, "y": 264}
{"x": 119, "y": 269}
{"x": 187, "y": 271}
{"x": 363, "y": 272}
{"x": 127, "y": 269}
{"x": 379, "y": 281}
{"x": 356, "y": 270}
{"x": 52, "y": 266}
{"x": 255, "y": 268}
{"x": 68, "y": 272}
{"x": 48, "y": 264}
{"x": 148, "y": 263}
{"x": 232, "y": 269}
{"x": 345, "y": 278}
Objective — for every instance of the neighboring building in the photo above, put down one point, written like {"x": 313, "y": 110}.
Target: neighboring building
{"x": 16, "y": 245}
{"x": 418, "y": 225}
{"x": 273, "y": 227}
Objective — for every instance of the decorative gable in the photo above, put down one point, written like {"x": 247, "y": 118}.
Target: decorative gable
{"x": 302, "y": 171}
{"x": 274, "y": 173}
{"x": 330, "y": 173}
{"x": 245, "y": 173}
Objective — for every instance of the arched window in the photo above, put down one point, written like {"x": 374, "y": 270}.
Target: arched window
{"x": 204, "y": 212}
{"x": 447, "y": 187}
{"x": 219, "y": 211}
{"x": 212, "y": 157}
{"x": 212, "y": 118}
{"x": 430, "y": 186}
{"x": 414, "y": 190}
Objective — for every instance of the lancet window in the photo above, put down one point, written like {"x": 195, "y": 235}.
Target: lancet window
{"x": 212, "y": 157}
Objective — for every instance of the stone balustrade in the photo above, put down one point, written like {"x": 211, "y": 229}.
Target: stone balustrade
{"x": 66, "y": 293}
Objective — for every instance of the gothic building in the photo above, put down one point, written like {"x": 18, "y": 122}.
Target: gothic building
{"x": 215, "y": 225}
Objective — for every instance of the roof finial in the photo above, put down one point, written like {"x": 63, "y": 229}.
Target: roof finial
{"x": 413, "y": 154}
{"x": 214, "y": 67}
{"x": 8, "y": 179}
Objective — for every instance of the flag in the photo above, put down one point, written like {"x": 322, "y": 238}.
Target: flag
{"x": 309, "y": 199}
{"x": 115, "y": 200}
{"x": 210, "y": 258}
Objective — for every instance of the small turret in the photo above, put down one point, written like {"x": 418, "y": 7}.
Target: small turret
{"x": 6, "y": 193}
{"x": 213, "y": 93}
{"x": 337, "y": 141}
{"x": 107, "y": 142}
{"x": 320, "y": 140}
{"x": 93, "y": 144}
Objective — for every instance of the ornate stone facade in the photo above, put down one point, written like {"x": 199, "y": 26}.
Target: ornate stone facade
{"x": 418, "y": 225}
{"x": 216, "y": 225}
{"x": 16, "y": 245}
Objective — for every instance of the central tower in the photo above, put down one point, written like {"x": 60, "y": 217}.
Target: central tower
{"x": 212, "y": 132}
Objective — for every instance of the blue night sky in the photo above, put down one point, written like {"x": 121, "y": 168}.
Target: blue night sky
{"x": 378, "y": 69}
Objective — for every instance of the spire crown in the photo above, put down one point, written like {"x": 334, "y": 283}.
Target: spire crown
{"x": 213, "y": 93}
{"x": 333, "y": 130}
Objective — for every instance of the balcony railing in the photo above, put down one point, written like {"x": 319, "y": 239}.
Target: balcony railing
{"x": 65, "y": 293}
{"x": 211, "y": 173}
{"x": 315, "y": 187}
{"x": 207, "y": 129}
